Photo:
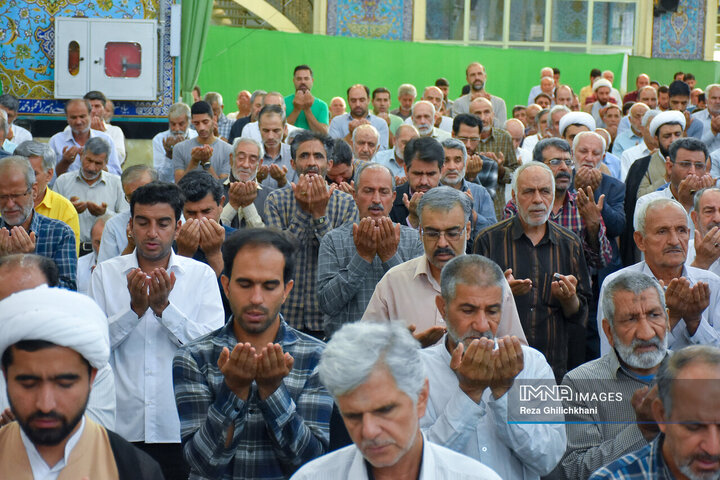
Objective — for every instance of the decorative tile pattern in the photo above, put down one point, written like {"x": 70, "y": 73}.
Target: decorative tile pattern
{"x": 387, "y": 19}
{"x": 27, "y": 35}
{"x": 680, "y": 34}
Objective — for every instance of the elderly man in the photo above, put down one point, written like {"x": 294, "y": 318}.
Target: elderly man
{"x": 545, "y": 72}
{"x": 23, "y": 230}
{"x": 92, "y": 191}
{"x": 710, "y": 117}
{"x": 647, "y": 146}
{"x": 69, "y": 144}
{"x": 365, "y": 143}
{"x": 423, "y": 119}
{"x": 205, "y": 151}
{"x": 685, "y": 410}
{"x": 641, "y": 81}
{"x": 337, "y": 107}
{"x": 250, "y": 401}
{"x": 87, "y": 263}
{"x": 435, "y": 96}
{"x": 98, "y": 101}
{"x": 632, "y": 136}
{"x": 244, "y": 195}
{"x": 164, "y": 142}
{"x": 308, "y": 211}
{"x": 47, "y": 202}
{"x": 476, "y": 77}
{"x": 306, "y": 111}
{"x": 634, "y": 324}
{"x": 516, "y": 129}
{"x": 374, "y": 372}
{"x": 556, "y": 114}
{"x": 469, "y": 408}
{"x": 355, "y": 256}
{"x": 256, "y": 103}
{"x": 407, "y": 291}
{"x": 686, "y": 167}
{"x": 16, "y": 134}
{"x": 564, "y": 95}
{"x": 407, "y": 93}
{"x": 116, "y": 238}
{"x": 155, "y": 302}
{"x": 545, "y": 265}
{"x": 223, "y": 123}
{"x": 495, "y": 144}
{"x": 543, "y": 127}
{"x": 692, "y": 294}
{"x": 704, "y": 251}
{"x": 344, "y": 125}
{"x": 50, "y": 370}
{"x": 453, "y": 175}
{"x": 393, "y": 158}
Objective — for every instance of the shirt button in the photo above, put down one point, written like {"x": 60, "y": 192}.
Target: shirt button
{"x": 484, "y": 449}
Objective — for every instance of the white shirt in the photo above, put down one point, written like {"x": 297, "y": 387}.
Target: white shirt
{"x": 84, "y": 271}
{"x": 708, "y": 137}
{"x": 708, "y": 333}
{"x": 107, "y": 189}
{"x": 142, "y": 349}
{"x": 649, "y": 197}
{"x": 118, "y": 138}
{"x": 114, "y": 237}
{"x": 161, "y": 163}
{"x": 530, "y": 142}
{"x": 714, "y": 267}
{"x": 482, "y": 430}
{"x": 629, "y": 156}
{"x": 252, "y": 130}
{"x": 65, "y": 139}
{"x": 446, "y": 123}
{"x": 40, "y": 469}
{"x": 438, "y": 463}
{"x": 20, "y": 134}
{"x": 523, "y": 155}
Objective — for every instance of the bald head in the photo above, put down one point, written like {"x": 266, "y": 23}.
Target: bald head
{"x": 516, "y": 129}
{"x": 433, "y": 95}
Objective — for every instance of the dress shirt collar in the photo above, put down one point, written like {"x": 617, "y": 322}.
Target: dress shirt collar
{"x": 174, "y": 264}
{"x": 36, "y": 460}
{"x": 48, "y": 199}
{"x": 645, "y": 268}
{"x": 518, "y": 231}
{"x": 34, "y": 223}
{"x": 491, "y": 137}
{"x": 422, "y": 267}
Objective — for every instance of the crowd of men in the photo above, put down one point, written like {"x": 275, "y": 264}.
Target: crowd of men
{"x": 311, "y": 290}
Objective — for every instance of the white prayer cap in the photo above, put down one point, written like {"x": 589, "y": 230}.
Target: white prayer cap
{"x": 601, "y": 82}
{"x": 669, "y": 116}
{"x": 576, "y": 118}
{"x": 59, "y": 316}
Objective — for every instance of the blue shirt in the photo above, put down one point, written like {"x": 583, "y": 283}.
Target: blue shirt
{"x": 340, "y": 128}
{"x": 646, "y": 463}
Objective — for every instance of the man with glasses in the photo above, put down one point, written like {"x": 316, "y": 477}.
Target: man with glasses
{"x": 544, "y": 263}
{"x": 22, "y": 230}
{"x": 687, "y": 169}
{"x": 407, "y": 291}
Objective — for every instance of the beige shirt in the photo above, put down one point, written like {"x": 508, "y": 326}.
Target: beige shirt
{"x": 407, "y": 292}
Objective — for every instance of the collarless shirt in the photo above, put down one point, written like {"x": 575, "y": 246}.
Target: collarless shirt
{"x": 625, "y": 140}
{"x": 484, "y": 431}
{"x": 40, "y": 469}
{"x": 142, "y": 348}
{"x": 64, "y": 139}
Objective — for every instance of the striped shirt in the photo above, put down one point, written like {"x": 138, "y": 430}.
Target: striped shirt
{"x": 559, "y": 251}
{"x": 271, "y": 438}
{"x": 301, "y": 309}
{"x": 643, "y": 464}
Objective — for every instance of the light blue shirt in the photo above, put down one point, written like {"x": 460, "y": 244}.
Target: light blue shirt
{"x": 340, "y": 127}
{"x": 387, "y": 159}
{"x": 625, "y": 140}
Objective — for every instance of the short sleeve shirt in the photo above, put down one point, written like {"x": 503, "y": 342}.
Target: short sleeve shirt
{"x": 319, "y": 109}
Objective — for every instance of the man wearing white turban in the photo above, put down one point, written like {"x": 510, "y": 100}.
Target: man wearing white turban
{"x": 53, "y": 343}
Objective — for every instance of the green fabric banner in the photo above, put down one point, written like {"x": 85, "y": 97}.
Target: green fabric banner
{"x": 663, "y": 70}
{"x": 195, "y": 22}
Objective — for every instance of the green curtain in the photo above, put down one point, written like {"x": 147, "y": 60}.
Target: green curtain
{"x": 195, "y": 23}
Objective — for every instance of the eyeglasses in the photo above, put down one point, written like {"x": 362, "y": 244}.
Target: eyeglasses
{"x": 14, "y": 196}
{"x": 450, "y": 234}
{"x": 554, "y": 162}
{"x": 698, "y": 165}
{"x": 469, "y": 139}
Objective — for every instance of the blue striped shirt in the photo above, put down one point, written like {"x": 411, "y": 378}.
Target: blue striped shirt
{"x": 642, "y": 464}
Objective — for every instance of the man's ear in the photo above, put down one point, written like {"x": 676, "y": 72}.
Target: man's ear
{"x": 607, "y": 329}
{"x": 658, "y": 411}
{"x": 639, "y": 240}
{"x": 225, "y": 282}
{"x": 440, "y": 303}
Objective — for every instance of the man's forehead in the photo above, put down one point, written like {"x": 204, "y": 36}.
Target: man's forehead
{"x": 421, "y": 166}
{"x": 535, "y": 177}
{"x": 95, "y": 157}
{"x": 554, "y": 152}
{"x": 357, "y": 92}
{"x": 366, "y": 134}
{"x": 453, "y": 153}
{"x": 247, "y": 148}
{"x": 666, "y": 129}
{"x": 710, "y": 198}
{"x": 479, "y": 295}
{"x": 311, "y": 146}
{"x": 629, "y": 300}
{"x": 665, "y": 216}
{"x": 441, "y": 219}
{"x": 153, "y": 211}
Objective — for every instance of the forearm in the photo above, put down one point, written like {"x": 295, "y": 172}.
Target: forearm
{"x": 314, "y": 123}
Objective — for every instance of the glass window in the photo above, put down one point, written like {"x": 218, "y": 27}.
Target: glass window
{"x": 569, "y": 21}
{"x": 123, "y": 59}
{"x": 527, "y": 20}
{"x": 73, "y": 58}
{"x": 613, "y": 23}
{"x": 444, "y": 19}
{"x": 486, "y": 20}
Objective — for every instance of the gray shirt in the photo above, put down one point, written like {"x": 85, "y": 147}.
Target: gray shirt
{"x": 220, "y": 159}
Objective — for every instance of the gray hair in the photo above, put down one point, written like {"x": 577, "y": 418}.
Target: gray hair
{"x": 214, "y": 97}
{"x": 32, "y": 148}
{"x": 669, "y": 371}
{"x": 179, "y": 110}
{"x": 707, "y": 89}
{"x": 102, "y": 218}
{"x": 373, "y": 166}
{"x": 407, "y": 89}
{"x": 524, "y": 166}
{"x": 275, "y": 93}
{"x": 444, "y": 199}
{"x": 473, "y": 270}
{"x": 10, "y": 102}
{"x": 658, "y": 202}
{"x": 134, "y": 172}
{"x": 367, "y": 126}
{"x": 559, "y": 108}
{"x": 358, "y": 349}
{"x": 22, "y": 164}
{"x": 271, "y": 110}
{"x": 580, "y": 135}
{"x": 628, "y": 281}
{"x": 424, "y": 102}
{"x": 239, "y": 140}
{"x": 98, "y": 146}
{"x": 649, "y": 115}
{"x": 540, "y": 114}
{"x": 455, "y": 144}
{"x": 698, "y": 196}
{"x": 559, "y": 143}
{"x": 255, "y": 94}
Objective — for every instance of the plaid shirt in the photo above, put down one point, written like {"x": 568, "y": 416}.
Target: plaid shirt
{"x": 346, "y": 282}
{"x": 569, "y": 217}
{"x": 224, "y": 126}
{"x": 271, "y": 438}
{"x": 282, "y": 211}
{"x": 55, "y": 240}
{"x": 646, "y": 463}
{"x": 500, "y": 141}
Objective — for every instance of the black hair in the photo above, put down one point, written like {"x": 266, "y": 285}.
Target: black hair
{"x": 308, "y": 136}
{"x": 556, "y": 71}
{"x": 80, "y": 100}
{"x": 158, "y": 192}
{"x": 201, "y": 107}
{"x": 302, "y": 67}
{"x": 425, "y": 149}
{"x": 96, "y": 95}
{"x": 342, "y": 153}
{"x": 442, "y": 82}
{"x": 595, "y": 72}
{"x": 31, "y": 346}
{"x": 687, "y": 143}
{"x": 469, "y": 120}
{"x": 256, "y": 237}
{"x": 380, "y": 90}
{"x": 679, "y": 88}
{"x": 196, "y": 185}
{"x": 46, "y": 265}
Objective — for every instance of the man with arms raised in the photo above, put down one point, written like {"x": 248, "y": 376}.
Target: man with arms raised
{"x": 306, "y": 111}
{"x": 476, "y": 78}
{"x": 164, "y": 142}
{"x": 343, "y": 126}
{"x": 250, "y": 401}
{"x": 244, "y": 195}
{"x": 704, "y": 251}
{"x": 205, "y": 151}
{"x": 375, "y": 374}
{"x": 394, "y": 158}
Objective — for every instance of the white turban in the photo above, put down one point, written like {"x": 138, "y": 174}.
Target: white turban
{"x": 601, "y": 82}
{"x": 576, "y": 118}
{"x": 669, "y": 116}
{"x": 59, "y": 316}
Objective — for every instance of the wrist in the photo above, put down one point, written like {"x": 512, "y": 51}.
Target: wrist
{"x": 159, "y": 309}
{"x": 475, "y": 393}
